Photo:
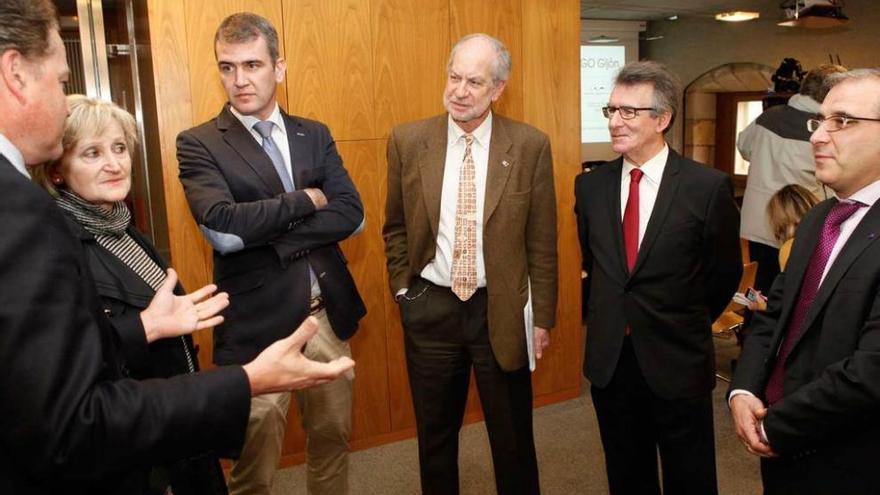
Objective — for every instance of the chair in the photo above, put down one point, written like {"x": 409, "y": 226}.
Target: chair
{"x": 731, "y": 320}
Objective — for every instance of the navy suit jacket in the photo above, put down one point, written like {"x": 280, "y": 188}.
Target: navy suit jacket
{"x": 687, "y": 269}
{"x": 71, "y": 421}
{"x": 264, "y": 238}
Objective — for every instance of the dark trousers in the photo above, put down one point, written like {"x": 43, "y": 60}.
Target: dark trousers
{"x": 444, "y": 339}
{"x": 634, "y": 423}
{"x": 768, "y": 264}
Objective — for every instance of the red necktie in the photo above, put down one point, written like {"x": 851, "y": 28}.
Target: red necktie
{"x": 631, "y": 219}
{"x": 838, "y": 214}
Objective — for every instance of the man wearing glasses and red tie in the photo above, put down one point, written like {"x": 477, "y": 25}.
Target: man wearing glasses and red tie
{"x": 806, "y": 393}
{"x": 660, "y": 241}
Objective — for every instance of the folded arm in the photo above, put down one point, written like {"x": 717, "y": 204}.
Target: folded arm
{"x": 230, "y": 225}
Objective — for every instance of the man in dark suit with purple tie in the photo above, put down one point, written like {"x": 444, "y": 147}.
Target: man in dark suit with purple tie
{"x": 806, "y": 393}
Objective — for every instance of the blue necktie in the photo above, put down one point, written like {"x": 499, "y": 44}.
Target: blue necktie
{"x": 264, "y": 128}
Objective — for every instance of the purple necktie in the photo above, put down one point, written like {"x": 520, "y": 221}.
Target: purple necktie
{"x": 830, "y": 232}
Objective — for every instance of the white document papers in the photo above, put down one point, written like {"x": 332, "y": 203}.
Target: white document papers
{"x": 529, "y": 320}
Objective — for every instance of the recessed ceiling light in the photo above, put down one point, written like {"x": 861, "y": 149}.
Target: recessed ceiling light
{"x": 672, "y": 18}
{"x": 737, "y": 16}
{"x": 603, "y": 39}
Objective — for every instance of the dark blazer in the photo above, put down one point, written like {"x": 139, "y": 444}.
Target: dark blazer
{"x": 688, "y": 267}
{"x": 825, "y": 429}
{"x": 124, "y": 294}
{"x": 264, "y": 239}
{"x": 70, "y": 419}
{"x": 519, "y": 222}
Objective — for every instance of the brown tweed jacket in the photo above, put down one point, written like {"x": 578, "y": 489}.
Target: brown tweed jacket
{"x": 519, "y": 222}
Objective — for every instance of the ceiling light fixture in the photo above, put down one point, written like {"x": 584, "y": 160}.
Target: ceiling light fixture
{"x": 603, "y": 39}
{"x": 738, "y": 16}
{"x": 813, "y": 13}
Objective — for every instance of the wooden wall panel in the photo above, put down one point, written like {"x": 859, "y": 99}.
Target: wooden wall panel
{"x": 410, "y": 46}
{"x": 365, "y": 161}
{"x": 174, "y": 112}
{"x": 329, "y": 66}
{"x": 551, "y": 30}
{"x": 502, "y": 20}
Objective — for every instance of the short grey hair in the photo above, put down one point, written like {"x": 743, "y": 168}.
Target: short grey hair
{"x": 666, "y": 85}
{"x": 245, "y": 27}
{"x": 855, "y": 75}
{"x": 502, "y": 63}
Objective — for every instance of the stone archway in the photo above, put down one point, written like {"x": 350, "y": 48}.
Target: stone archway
{"x": 700, "y": 98}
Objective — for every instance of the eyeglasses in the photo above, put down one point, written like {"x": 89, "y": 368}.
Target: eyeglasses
{"x": 835, "y": 123}
{"x": 626, "y": 113}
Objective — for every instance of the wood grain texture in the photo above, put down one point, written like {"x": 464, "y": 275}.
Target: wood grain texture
{"x": 410, "y": 48}
{"x": 503, "y": 20}
{"x": 329, "y": 64}
{"x": 174, "y": 112}
{"x": 550, "y": 41}
{"x": 365, "y": 162}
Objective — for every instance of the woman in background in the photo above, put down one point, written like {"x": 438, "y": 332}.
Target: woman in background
{"x": 90, "y": 182}
{"x": 785, "y": 210}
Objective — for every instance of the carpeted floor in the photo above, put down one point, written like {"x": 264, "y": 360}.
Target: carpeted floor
{"x": 569, "y": 454}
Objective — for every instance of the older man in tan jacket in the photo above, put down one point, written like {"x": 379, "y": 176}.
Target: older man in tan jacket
{"x": 470, "y": 231}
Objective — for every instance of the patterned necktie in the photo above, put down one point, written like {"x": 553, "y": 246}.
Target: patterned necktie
{"x": 464, "y": 250}
{"x": 264, "y": 128}
{"x": 631, "y": 219}
{"x": 810, "y": 286}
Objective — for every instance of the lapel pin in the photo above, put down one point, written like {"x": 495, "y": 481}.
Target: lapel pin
{"x": 872, "y": 235}
{"x": 300, "y": 134}
{"x": 505, "y": 163}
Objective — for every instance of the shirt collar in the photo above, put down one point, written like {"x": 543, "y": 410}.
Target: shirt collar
{"x": 867, "y": 195}
{"x": 12, "y": 154}
{"x": 481, "y": 134}
{"x": 653, "y": 168}
{"x": 248, "y": 121}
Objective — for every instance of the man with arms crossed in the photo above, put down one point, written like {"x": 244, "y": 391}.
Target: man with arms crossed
{"x": 806, "y": 393}
{"x": 659, "y": 240}
{"x": 270, "y": 193}
{"x": 470, "y": 220}
{"x": 70, "y": 421}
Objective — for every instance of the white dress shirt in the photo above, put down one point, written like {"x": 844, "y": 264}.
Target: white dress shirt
{"x": 279, "y": 134}
{"x": 648, "y": 187}
{"x": 439, "y": 270}
{"x": 12, "y": 154}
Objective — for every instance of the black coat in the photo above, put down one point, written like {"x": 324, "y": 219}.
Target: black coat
{"x": 70, "y": 420}
{"x": 687, "y": 269}
{"x": 265, "y": 239}
{"x": 825, "y": 427}
{"x": 123, "y": 296}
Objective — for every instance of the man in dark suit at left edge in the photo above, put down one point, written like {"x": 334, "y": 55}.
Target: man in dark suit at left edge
{"x": 70, "y": 420}
{"x": 271, "y": 195}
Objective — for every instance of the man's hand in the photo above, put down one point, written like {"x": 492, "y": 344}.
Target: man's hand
{"x": 317, "y": 197}
{"x": 282, "y": 367}
{"x": 748, "y": 411}
{"x": 170, "y": 315}
{"x": 541, "y": 341}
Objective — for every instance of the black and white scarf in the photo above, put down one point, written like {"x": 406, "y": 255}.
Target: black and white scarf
{"x": 109, "y": 229}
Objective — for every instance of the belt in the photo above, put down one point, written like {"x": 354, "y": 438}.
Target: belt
{"x": 316, "y": 304}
